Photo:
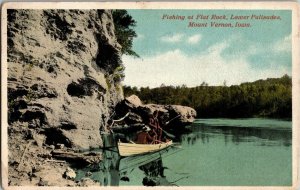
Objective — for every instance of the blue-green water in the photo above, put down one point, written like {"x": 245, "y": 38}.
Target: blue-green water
{"x": 216, "y": 152}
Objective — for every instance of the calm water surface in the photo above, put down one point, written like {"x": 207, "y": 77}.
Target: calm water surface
{"x": 217, "y": 152}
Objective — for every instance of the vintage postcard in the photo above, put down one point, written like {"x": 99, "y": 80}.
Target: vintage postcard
{"x": 130, "y": 95}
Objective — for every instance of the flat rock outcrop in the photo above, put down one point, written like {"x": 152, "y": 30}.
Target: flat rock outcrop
{"x": 171, "y": 116}
{"x": 61, "y": 88}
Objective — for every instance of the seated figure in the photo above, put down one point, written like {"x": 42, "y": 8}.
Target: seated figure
{"x": 144, "y": 137}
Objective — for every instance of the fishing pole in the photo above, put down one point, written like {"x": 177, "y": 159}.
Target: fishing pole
{"x": 117, "y": 120}
{"x": 168, "y": 134}
{"x": 167, "y": 123}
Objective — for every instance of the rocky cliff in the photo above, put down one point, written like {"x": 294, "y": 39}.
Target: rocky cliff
{"x": 173, "y": 117}
{"x": 61, "y": 88}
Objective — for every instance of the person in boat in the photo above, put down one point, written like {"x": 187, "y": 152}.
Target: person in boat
{"x": 144, "y": 137}
{"x": 155, "y": 126}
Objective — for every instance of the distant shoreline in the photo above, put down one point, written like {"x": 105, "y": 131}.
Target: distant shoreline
{"x": 270, "y": 98}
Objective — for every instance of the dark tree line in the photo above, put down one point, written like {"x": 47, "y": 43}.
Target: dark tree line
{"x": 263, "y": 98}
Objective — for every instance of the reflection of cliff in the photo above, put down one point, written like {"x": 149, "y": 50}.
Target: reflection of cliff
{"x": 110, "y": 164}
{"x": 268, "y": 136}
{"x": 110, "y": 174}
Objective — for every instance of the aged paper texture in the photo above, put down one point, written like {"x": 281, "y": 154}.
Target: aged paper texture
{"x": 162, "y": 94}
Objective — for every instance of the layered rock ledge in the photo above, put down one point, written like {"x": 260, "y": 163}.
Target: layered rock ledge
{"x": 171, "y": 116}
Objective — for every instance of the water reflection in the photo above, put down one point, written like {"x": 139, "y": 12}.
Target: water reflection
{"x": 237, "y": 135}
{"x": 154, "y": 173}
{"x": 151, "y": 165}
{"x": 204, "y": 142}
{"x": 114, "y": 169}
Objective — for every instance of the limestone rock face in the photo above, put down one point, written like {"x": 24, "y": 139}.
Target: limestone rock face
{"x": 133, "y": 101}
{"x": 69, "y": 173}
{"x": 187, "y": 114}
{"x": 59, "y": 63}
{"x": 171, "y": 116}
{"x": 87, "y": 182}
{"x": 60, "y": 84}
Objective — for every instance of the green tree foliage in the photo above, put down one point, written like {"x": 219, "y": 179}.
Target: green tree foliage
{"x": 263, "y": 98}
{"x": 124, "y": 25}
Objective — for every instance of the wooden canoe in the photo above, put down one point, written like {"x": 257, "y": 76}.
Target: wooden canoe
{"x": 131, "y": 149}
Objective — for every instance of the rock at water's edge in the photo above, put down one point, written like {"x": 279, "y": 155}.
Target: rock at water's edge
{"x": 139, "y": 113}
{"x": 69, "y": 173}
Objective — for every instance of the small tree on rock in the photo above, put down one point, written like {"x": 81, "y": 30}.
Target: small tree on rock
{"x": 124, "y": 24}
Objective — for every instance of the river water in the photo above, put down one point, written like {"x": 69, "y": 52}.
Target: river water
{"x": 216, "y": 152}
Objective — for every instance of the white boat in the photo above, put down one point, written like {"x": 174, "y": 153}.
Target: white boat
{"x": 131, "y": 149}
